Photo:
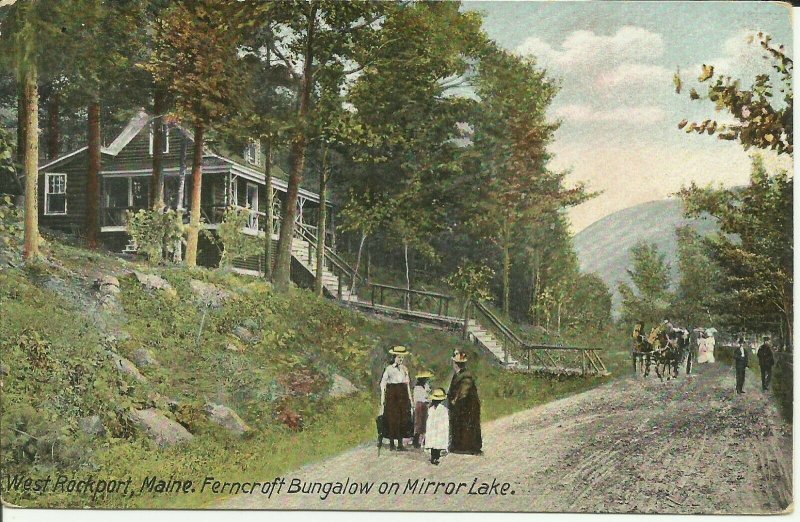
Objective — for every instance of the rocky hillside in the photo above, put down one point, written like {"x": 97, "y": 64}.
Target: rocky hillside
{"x": 604, "y": 246}
{"x": 123, "y": 369}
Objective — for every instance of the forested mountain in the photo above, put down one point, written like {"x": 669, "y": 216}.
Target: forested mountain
{"x": 604, "y": 247}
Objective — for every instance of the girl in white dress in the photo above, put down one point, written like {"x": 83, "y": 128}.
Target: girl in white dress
{"x": 437, "y": 428}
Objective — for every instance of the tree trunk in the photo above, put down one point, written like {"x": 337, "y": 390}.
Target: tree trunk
{"x": 53, "y": 135}
{"x": 197, "y": 179}
{"x": 465, "y": 315}
{"x": 156, "y": 181}
{"x": 283, "y": 262}
{"x": 322, "y": 223}
{"x": 182, "y": 175}
{"x": 22, "y": 121}
{"x": 369, "y": 264}
{"x": 30, "y": 157}
{"x": 179, "y": 196}
{"x": 93, "y": 177}
{"x": 266, "y": 144}
{"x": 358, "y": 263}
{"x": 407, "y": 302}
{"x": 506, "y": 272}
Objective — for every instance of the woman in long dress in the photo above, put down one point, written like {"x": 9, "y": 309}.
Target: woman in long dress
{"x": 396, "y": 398}
{"x": 710, "y": 342}
{"x": 702, "y": 348}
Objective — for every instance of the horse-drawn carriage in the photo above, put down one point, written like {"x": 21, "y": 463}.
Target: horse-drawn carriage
{"x": 663, "y": 348}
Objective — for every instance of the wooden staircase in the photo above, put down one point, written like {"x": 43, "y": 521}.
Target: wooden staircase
{"x": 304, "y": 250}
{"x": 490, "y": 343}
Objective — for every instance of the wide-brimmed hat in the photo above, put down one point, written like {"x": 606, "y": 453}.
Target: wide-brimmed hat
{"x": 437, "y": 395}
{"x": 459, "y": 357}
{"x": 424, "y": 374}
{"x": 399, "y": 350}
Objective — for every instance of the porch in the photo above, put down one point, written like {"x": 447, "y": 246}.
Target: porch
{"x": 130, "y": 191}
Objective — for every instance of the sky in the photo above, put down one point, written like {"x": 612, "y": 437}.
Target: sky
{"x": 617, "y": 103}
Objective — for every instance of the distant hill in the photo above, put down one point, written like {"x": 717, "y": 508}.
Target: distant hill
{"x": 604, "y": 246}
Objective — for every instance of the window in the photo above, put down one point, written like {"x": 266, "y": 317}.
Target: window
{"x": 55, "y": 196}
{"x": 166, "y": 139}
{"x": 139, "y": 192}
{"x": 252, "y": 204}
{"x": 252, "y": 153}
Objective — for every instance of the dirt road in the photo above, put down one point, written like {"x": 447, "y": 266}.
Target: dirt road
{"x": 689, "y": 445}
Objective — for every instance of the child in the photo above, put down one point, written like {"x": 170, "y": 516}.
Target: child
{"x": 421, "y": 391}
{"x": 437, "y": 429}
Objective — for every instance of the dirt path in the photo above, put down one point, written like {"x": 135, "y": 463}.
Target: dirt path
{"x": 689, "y": 445}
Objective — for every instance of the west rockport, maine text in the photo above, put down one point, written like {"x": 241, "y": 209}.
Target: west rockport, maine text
{"x": 92, "y": 486}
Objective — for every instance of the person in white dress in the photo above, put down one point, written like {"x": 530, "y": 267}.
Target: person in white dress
{"x": 702, "y": 348}
{"x": 710, "y": 342}
{"x": 437, "y": 428}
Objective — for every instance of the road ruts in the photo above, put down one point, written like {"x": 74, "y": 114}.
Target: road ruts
{"x": 689, "y": 445}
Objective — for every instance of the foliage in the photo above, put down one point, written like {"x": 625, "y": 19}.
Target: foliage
{"x": 8, "y": 172}
{"x": 588, "y": 304}
{"x": 155, "y": 232}
{"x": 10, "y": 222}
{"x": 698, "y": 287}
{"x": 763, "y": 122}
{"x": 753, "y": 249}
{"x": 651, "y": 298}
{"x": 236, "y": 245}
{"x": 195, "y": 56}
{"x": 514, "y": 188}
{"x": 471, "y": 281}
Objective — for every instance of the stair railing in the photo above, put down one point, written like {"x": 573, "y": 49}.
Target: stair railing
{"x": 338, "y": 266}
{"x": 507, "y": 337}
{"x": 546, "y": 355}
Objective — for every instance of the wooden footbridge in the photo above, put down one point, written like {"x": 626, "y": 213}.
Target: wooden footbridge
{"x": 481, "y": 325}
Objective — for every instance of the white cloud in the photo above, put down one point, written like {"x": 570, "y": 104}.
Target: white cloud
{"x": 644, "y": 171}
{"x": 636, "y": 115}
{"x": 634, "y": 74}
{"x": 581, "y": 49}
{"x": 741, "y": 58}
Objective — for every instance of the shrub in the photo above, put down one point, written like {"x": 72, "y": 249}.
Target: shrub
{"x": 10, "y": 222}
{"x": 155, "y": 233}
{"x": 234, "y": 243}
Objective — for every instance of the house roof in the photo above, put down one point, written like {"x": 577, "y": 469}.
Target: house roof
{"x": 142, "y": 119}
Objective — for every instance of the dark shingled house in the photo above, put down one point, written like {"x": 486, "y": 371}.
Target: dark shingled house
{"x": 125, "y": 185}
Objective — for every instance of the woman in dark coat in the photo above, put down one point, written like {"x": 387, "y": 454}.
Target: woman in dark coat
{"x": 396, "y": 398}
{"x": 465, "y": 409}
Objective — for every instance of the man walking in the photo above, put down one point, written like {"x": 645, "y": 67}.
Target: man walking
{"x": 740, "y": 361}
{"x": 765, "y": 361}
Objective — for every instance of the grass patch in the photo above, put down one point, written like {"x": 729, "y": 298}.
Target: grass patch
{"x": 55, "y": 344}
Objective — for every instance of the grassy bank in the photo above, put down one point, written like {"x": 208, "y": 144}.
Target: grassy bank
{"x": 56, "y": 338}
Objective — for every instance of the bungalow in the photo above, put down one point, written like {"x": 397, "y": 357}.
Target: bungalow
{"x": 125, "y": 179}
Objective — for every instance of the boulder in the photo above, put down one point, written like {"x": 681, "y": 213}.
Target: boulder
{"x": 225, "y": 417}
{"x": 243, "y": 334}
{"x": 92, "y": 425}
{"x": 158, "y": 428}
{"x": 152, "y": 281}
{"x": 144, "y": 357}
{"x": 126, "y": 367}
{"x": 107, "y": 284}
{"x": 209, "y": 294}
{"x": 341, "y": 387}
{"x": 4, "y": 370}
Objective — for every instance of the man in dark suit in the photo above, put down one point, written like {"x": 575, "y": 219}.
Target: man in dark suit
{"x": 740, "y": 361}
{"x": 765, "y": 361}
